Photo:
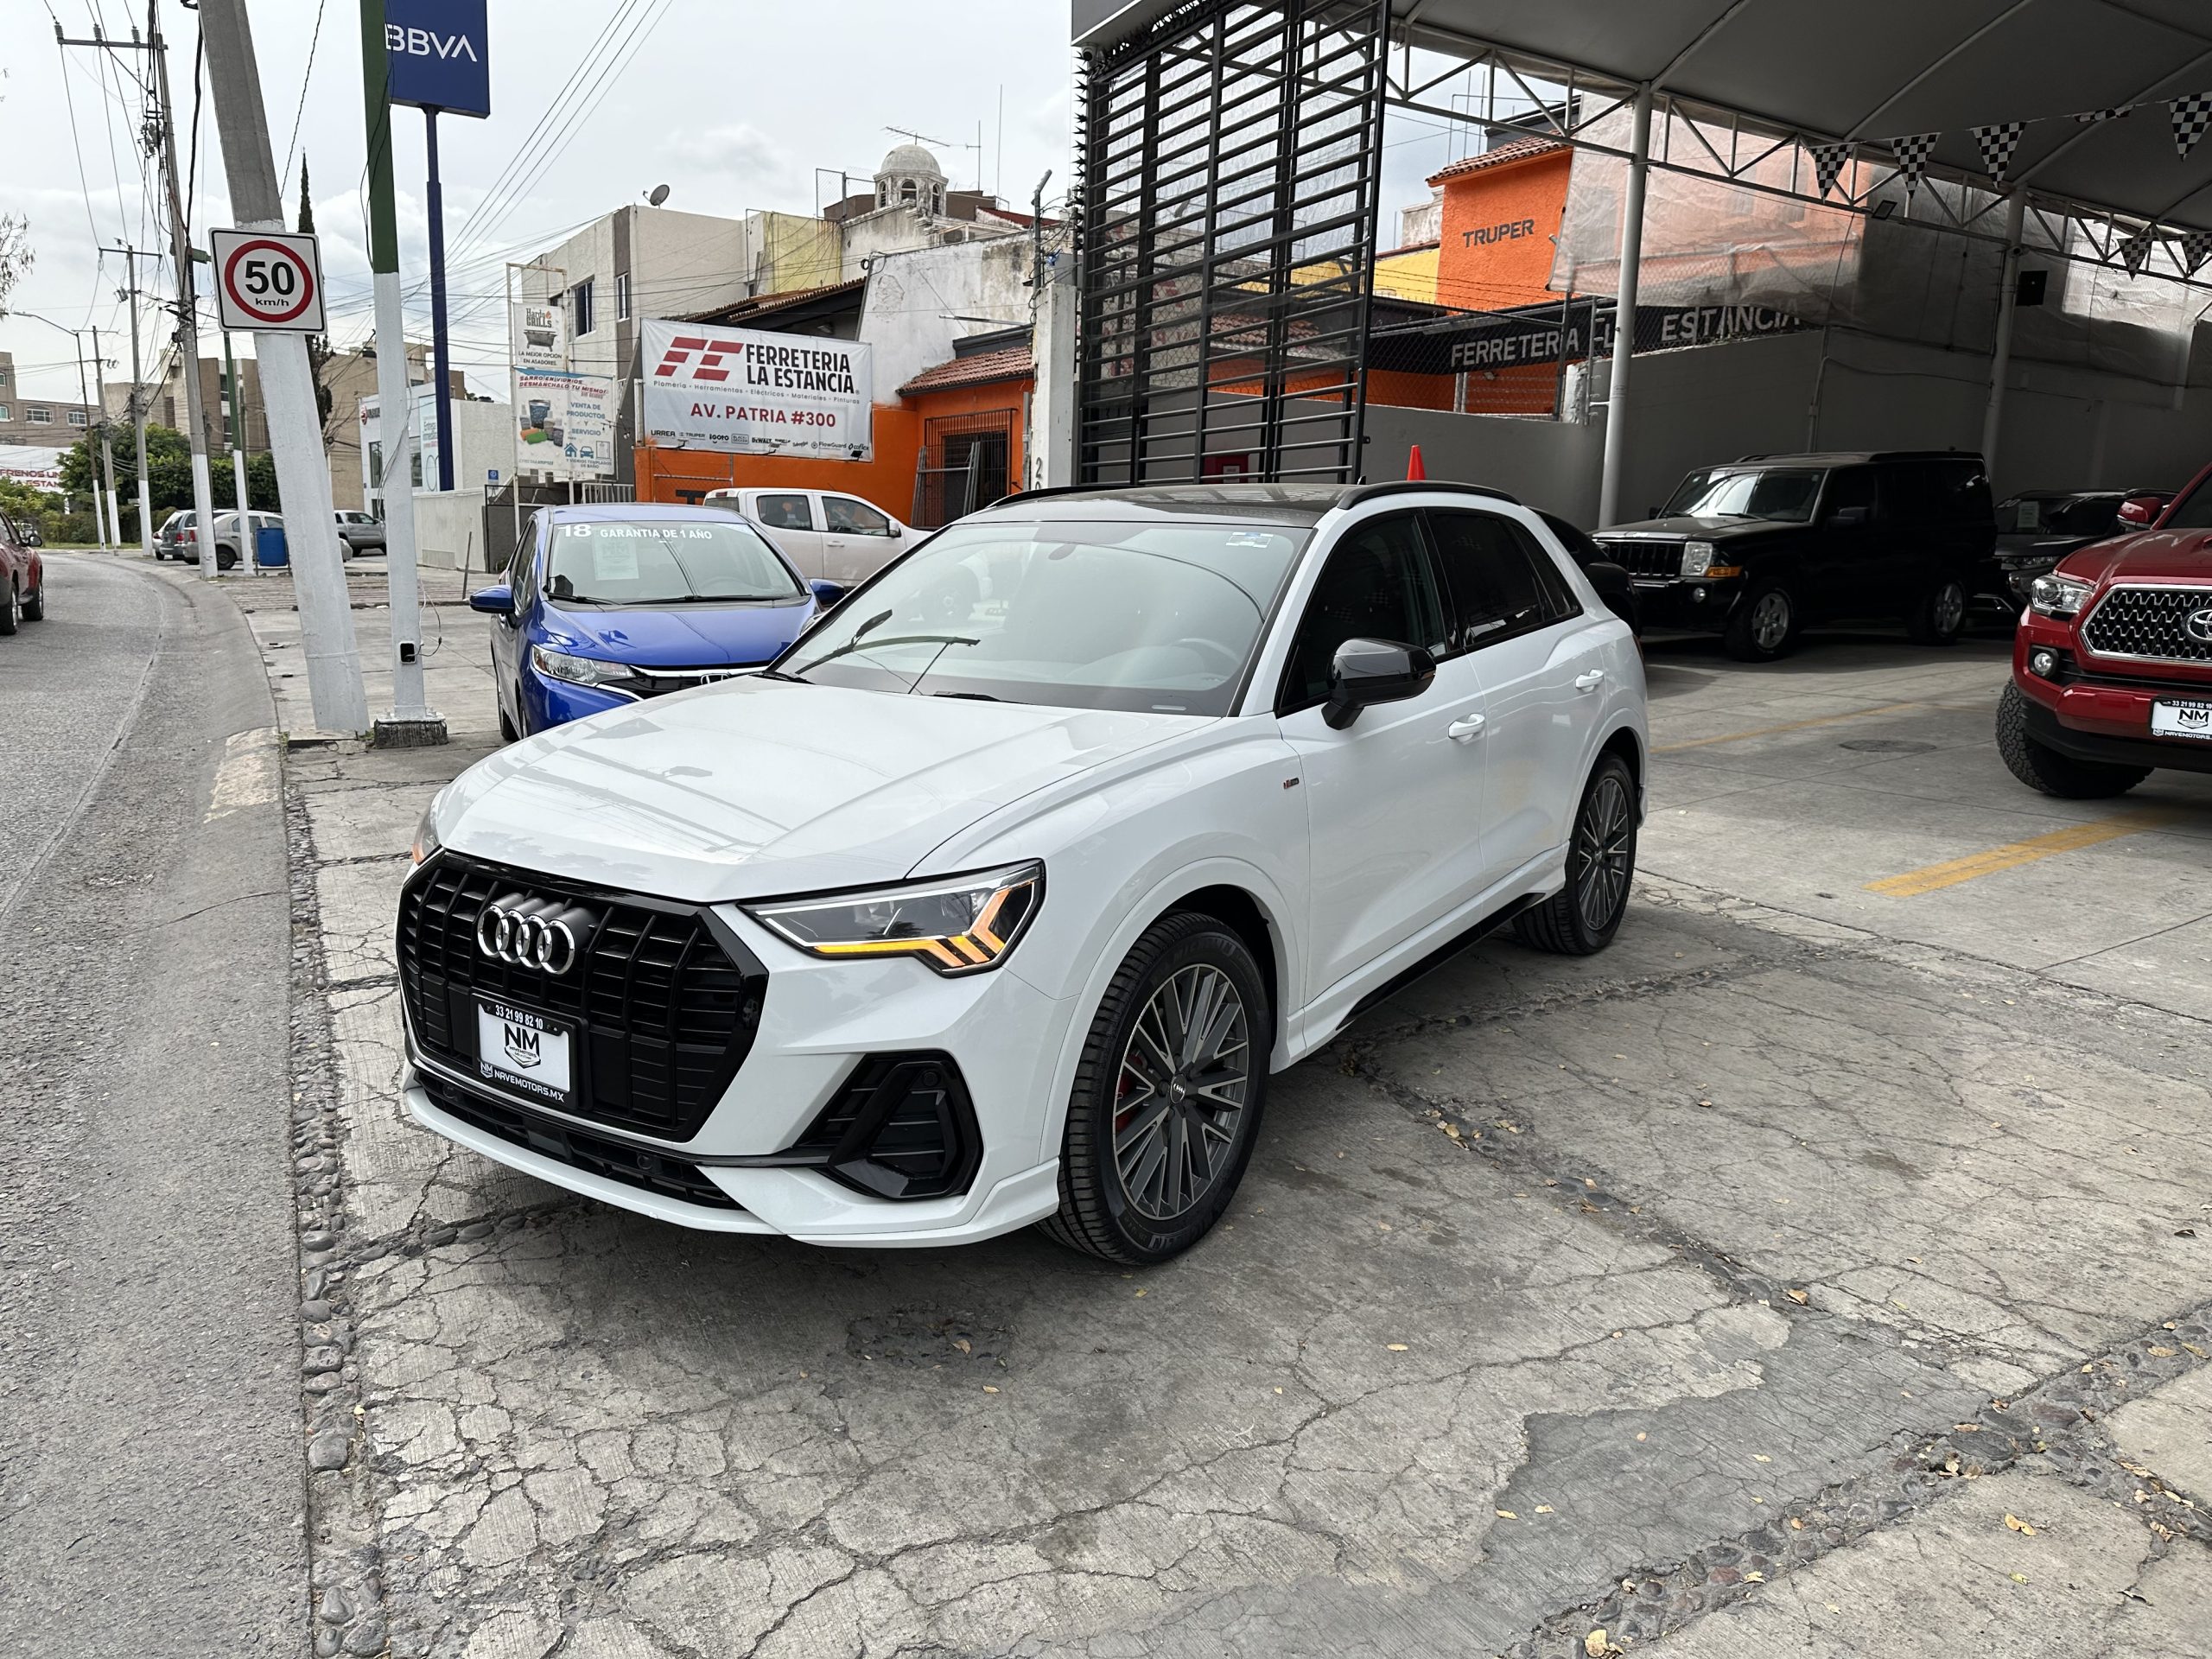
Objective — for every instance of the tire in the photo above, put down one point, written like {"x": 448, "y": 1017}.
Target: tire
{"x": 10, "y": 610}
{"x": 1941, "y": 614}
{"x": 1160, "y": 1204}
{"x": 1764, "y": 626}
{"x": 1581, "y": 919}
{"x": 2049, "y": 773}
{"x": 227, "y": 558}
{"x": 35, "y": 606}
{"x": 507, "y": 733}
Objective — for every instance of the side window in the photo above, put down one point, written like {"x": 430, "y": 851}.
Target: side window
{"x": 1853, "y": 486}
{"x": 1501, "y": 580}
{"x": 843, "y": 513}
{"x": 785, "y": 512}
{"x": 522, "y": 573}
{"x": 1965, "y": 486}
{"x": 1377, "y": 585}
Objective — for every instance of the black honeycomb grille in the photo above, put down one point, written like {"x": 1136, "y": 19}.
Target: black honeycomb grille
{"x": 2150, "y": 622}
{"x": 664, "y": 1007}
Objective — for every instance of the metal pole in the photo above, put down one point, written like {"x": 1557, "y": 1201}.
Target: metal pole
{"x": 100, "y": 521}
{"x": 188, "y": 320}
{"x": 107, "y": 447}
{"x": 287, "y": 386}
{"x": 411, "y": 720}
{"x": 138, "y": 419}
{"x": 235, "y": 417}
{"x": 1639, "y": 169}
{"x": 2008, "y": 302}
{"x": 440, "y": 359}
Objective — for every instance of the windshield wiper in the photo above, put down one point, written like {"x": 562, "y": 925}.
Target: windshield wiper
{"x": 856, "y": 643}
{"x": 968, "y": 696}
{"x": 779, "y": 674}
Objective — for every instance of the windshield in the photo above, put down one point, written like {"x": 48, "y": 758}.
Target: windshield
{"x": 1149, "y": 617}
{"x": 650, "y": 562}
{"x": 1785, "y": 495}
{"x": 2192, "y": 512}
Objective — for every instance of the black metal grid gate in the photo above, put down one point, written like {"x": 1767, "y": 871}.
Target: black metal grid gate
{"x": 1231, "y": 163}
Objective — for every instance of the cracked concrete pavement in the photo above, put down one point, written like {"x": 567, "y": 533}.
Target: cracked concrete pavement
{"x": 1738, "y": 1289}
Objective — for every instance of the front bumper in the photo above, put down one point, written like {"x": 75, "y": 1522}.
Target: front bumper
{"x": 1687, "y": 602}
{"x": 2092, "y": 712}
{"x": 821, "y": 1026}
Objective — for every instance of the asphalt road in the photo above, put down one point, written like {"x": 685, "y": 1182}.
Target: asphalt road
{"x": 150, "y": 1497}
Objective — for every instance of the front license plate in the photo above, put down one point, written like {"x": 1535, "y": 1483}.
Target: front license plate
{"x": 524, "y": 1052}
{"x": 2182, "y": 720}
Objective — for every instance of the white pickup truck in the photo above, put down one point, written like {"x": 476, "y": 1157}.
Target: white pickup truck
{"x": 832, "y": 537}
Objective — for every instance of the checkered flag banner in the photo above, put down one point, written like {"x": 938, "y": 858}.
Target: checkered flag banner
{"x": 1828, "y": 162}
{"x": 2090, "y": 117}
{"x": 1998, "y": 143}
{"x": 2192, "y": 114}
{"x": 1912, "y": 156}
{"x": 2196, "y": 249}
{"x": 2135, "y": 253}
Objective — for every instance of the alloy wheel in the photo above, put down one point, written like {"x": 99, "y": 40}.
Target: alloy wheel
{"x": 1770, "y": 621}
{"x": 1185, "y": 1076}
{"x": 1604, "y": 860}
{"x": 1949, "y": 612}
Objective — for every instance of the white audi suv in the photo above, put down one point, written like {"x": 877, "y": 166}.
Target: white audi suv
{"x": 998, "y": 897}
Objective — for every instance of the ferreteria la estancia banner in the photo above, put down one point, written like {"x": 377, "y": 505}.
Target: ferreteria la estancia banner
{"x": 744, "y": 392}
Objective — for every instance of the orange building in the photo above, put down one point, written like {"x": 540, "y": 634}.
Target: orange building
{"x": 1501, "y": 210}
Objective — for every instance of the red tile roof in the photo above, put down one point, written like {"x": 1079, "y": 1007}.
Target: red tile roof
{"x": 1515, "y": 149}
{"x": 981, "y": 369}
{"x": 762, "y": 305}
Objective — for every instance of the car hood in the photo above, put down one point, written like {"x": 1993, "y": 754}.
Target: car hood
{"x": 2150, "y": 555}
{"x": 753, "y": 787}
{"x": 1681, "y": 527}
{"x": 689, "y": 636}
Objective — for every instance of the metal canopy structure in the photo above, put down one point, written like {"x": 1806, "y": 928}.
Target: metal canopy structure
{"x": 2086, "y": 111}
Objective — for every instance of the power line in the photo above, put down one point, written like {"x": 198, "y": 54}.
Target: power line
{"x": 306, "y": 75}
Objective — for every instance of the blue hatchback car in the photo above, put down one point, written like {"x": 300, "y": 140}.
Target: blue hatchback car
{"x": 609, "y": 604}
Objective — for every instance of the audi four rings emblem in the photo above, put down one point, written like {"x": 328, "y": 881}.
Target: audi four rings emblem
{"x": 2198, "y": 625}
{"x": 541, "y": 933}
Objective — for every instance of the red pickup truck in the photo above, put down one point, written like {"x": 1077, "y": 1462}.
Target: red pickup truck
{"x": 2112, "y": 665}
{"x": 23, "y": 578}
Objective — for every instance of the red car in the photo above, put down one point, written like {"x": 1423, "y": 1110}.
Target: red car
{"x": 23, "y": 578}
{"x": 2111, "y": 666}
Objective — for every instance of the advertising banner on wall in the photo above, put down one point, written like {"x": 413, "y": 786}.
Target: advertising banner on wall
{"x": 536, "y": 331}
{"x": 744, "y": 392}
{"x": 564, "y": 424}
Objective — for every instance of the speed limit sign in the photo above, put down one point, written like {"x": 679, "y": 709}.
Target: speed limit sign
{"x": 269, "y": 281}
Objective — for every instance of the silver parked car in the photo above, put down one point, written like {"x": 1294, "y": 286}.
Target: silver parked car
{"x": 359, "y": 533}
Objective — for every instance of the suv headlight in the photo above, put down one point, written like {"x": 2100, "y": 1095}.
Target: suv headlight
{"x": 1697, "y": 558}
{"x": 2059, "y": 596}
{"x": 963, "y": 924}
{"x": 426, "y": 833}
{"x": 576, "y": 671}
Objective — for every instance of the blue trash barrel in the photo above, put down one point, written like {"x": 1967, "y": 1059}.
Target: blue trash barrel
{"x": 269, "y": 551}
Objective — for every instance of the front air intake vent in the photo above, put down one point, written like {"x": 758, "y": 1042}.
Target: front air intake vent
{"x": 902, "y": 1127}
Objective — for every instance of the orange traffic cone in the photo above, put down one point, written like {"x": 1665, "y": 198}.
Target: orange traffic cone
{"x": 1414, "y": 471}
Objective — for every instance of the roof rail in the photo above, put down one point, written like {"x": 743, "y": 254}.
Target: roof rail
{"x": 1361, "y": 492}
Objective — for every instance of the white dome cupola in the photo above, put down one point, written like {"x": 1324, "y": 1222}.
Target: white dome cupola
{"x": 911, "y": 176}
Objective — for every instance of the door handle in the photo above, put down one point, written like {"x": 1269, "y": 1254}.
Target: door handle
{"x": 1467, "y": 730}
{"x": 1591, "y": 681}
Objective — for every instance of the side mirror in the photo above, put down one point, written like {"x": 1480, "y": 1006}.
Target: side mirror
{"x": 1652, "y": 512}
{"x": 1612, "y": 581}
{"x": 1851, "y": 517}
{"x": 2140, "y": 511}
{"x": 497, "y": 601}
{"x": 826, "y": 594}
{"x": 1367, "y": 671}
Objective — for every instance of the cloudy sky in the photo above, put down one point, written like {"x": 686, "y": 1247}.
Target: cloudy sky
{"x": 733, "y": 104}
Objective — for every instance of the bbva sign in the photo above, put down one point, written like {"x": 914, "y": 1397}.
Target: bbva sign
{"x": 435, "y": 54}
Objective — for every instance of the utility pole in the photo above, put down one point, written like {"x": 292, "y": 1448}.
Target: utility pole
{"x": 100, "y": 517}
{"x": 235, "y": 418}
{"x": 287, "y": 390}
{"x": 107, "y": 446}
{"x": 412, "y": 719}
{"x": 187, "y": 309}
{"x": 139, "y": 405}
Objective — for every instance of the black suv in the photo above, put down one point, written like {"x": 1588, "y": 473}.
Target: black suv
{"x": 1754, "y": 549}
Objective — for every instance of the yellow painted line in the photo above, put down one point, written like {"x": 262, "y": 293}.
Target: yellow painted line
{"x": 2013, "y": 855}
{"x": 1793, "y": 726}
